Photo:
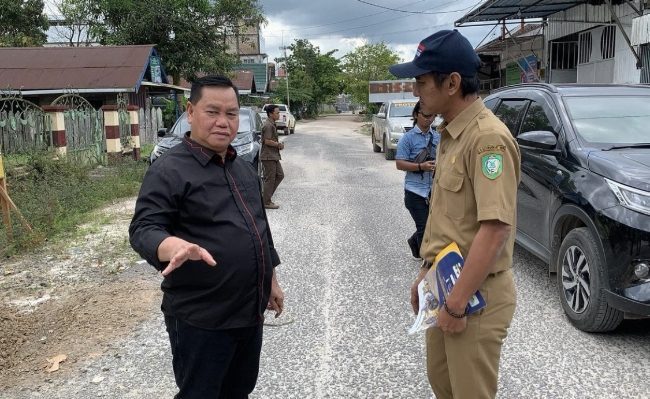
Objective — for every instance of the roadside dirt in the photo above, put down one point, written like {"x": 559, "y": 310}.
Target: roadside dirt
{"x": 72, "y": 298}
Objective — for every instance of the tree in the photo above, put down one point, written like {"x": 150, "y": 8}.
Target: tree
{"x": 313, "y": 77}
{"x": 366, "y": 63}
{"x": 191, "y": 35}
{"x": 22, "y": 23}
{"x": 78, "y": 23}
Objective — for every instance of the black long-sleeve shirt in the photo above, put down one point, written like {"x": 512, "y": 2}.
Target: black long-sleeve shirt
{"x": 192, "y": 193}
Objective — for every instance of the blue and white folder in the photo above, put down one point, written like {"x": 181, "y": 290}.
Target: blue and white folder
{"x": 448, "y": 264}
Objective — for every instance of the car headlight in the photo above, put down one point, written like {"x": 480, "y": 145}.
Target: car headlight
{"x": 397, "y": 129}
{"x": 156, "y": 151}
{"x": 631, "y": 198}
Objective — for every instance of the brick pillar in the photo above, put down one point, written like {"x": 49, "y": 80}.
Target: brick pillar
{"x": 57, "y": 124}
{"x": 134, "y": 118}
{"x": 112, "y": 130}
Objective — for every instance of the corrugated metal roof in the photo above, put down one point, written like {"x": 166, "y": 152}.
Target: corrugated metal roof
{"x": 260, "y": 72}
{"x": 50, "y": 68}
{"x": 245, "y": 81}
{"x": 499, "y": 10}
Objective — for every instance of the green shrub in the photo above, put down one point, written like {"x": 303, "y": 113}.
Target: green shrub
{"x": 55, "y": 196}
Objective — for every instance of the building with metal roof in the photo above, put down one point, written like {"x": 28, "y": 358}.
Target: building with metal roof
{"x": 592, "y": 41}
{"x": 96, "y": 72}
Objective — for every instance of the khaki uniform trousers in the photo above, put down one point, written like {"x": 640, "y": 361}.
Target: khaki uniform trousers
{"x": 273, "y": 175}
{"x": 466, "y": 365}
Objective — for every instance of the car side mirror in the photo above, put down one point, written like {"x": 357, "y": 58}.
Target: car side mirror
{"x": 381, "y": 115}
{"x": 162, "y": 132}
{"x": 538, "y": 140}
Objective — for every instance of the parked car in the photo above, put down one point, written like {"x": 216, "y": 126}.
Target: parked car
{"x": 583, "y": 204}
{"x": 263, "y": 116}
{"x": 247, "y": 143}
{"x": 287, "y": 122}
{"x": 395, "y": 117}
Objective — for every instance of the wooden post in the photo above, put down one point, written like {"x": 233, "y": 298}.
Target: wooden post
{"x": 4, "y": 205}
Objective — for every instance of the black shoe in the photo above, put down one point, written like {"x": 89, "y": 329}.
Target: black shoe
{"x": 415, "y": 251}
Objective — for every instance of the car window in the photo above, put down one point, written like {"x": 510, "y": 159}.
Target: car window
{"x": 536, "y": 119}
{"x": 283, "y": 108}
{"x": 181, "y": 126}
{"x": 258, "y": 122}
{"x": 398, "y": 110}
{"x": 244, "y": 122}
{"x": 491, "y": 103}
{"x": 610, "y": 119}
{"x": 382, "y": 109}
{"x": 510, "y": 111}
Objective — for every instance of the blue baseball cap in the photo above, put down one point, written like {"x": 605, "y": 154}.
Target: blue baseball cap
{"x": 445, "y": 51}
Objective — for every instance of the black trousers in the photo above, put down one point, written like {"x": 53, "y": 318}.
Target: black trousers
{"x": 211, "y": 364}
{"x": 419, "y": 209}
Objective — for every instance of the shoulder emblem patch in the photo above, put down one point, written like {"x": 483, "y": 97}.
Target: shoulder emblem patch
{"x": 492, "y": 165}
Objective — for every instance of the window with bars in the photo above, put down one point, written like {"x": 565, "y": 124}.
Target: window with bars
{"x": 608, "y": 42}
{"x": 584, "y": 48}
{"x": 564, "y": 55}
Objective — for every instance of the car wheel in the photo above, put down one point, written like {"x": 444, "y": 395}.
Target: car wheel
{"x": 292, "y": 130}
{"x": 375, "y": 147}
{"x": 581, "y": 281}
{"x": 388, "y": 153}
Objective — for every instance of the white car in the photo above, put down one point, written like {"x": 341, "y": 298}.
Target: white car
{"x": 287, "y": 122}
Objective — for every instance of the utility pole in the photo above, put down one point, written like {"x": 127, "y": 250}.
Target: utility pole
{"x": 286, "y": 69}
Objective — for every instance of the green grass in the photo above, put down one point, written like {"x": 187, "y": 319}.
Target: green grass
{"x": 55, "y": 196}
{"x": 145, "y": 150}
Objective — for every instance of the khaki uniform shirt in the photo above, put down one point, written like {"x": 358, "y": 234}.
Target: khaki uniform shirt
{"x": 477, "y": 174}
{"x": 269, "y": 132}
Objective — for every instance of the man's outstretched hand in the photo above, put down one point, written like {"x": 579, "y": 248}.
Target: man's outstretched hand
{"x": 178, "y": 251}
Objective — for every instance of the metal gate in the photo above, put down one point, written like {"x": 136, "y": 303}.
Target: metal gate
{"x": 84, "y": 130}
{"x": 24, "y": 126}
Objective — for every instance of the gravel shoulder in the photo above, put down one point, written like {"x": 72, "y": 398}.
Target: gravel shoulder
{"x": 71, "y": 299}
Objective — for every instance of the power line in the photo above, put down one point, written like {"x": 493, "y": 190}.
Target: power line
{"x": 352, "y": 19}
{"x": 379, "y": 23}
{"x": 415, "y": 12}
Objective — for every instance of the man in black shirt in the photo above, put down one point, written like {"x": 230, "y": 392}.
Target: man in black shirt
{"x": 200, "y": 220}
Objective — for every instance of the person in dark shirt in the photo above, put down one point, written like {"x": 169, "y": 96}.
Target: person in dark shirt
{"x": 200, "y": 220}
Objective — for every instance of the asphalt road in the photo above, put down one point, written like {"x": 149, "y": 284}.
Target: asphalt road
{"x": 341, "y": 233}
{"x": 342, "y": 230}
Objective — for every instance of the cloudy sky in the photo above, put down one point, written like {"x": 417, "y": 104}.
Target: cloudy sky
{"x": 346, "y": 24}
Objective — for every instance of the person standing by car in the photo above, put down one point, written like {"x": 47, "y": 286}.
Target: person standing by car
{"x": 199, "y": 219}
{"x": 271, "y": 147}
{"x": 419, "y": 141}
{"x": 473, "y": 204}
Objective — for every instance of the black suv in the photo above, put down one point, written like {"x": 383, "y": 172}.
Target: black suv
{"x": 583, "y": 204}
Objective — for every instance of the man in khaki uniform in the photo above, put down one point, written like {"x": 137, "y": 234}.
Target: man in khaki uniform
{"x": 270, "y": 157}
{"x": 473, "y": 203}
